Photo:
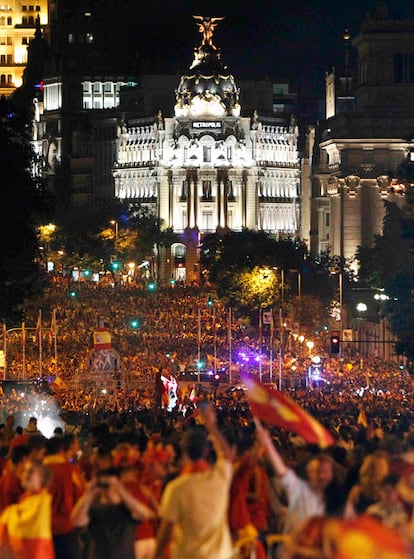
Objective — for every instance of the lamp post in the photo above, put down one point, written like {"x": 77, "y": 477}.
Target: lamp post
{"x": 115, "y": 224}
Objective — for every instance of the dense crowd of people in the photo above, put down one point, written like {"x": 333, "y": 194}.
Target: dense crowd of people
{"x": 113, "y": 472}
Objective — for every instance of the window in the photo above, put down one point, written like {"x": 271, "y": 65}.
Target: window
{"x": 327, "y": 219}
{"x": 9, "y": 40}
{"x": 9, "y": 21}
{"x": 9, "y": 59}
{"x": 31, "y": 8}
{"x": 208, "y": 221}
{"x": 3, "y": 78}
{"x": 24, "y": 8}
{"x": 9, "y": 79}
{"x": 2, "y": 59}
{"x": 37, "y": 8}
{"x": 25, "y": 40}
{"x": 207, "y": 154}
{"x": 403, "y": 68}
{"x": 31, "y": 20}
{"x": 71, "y": 38}
{"x": 97, "y": 87}
{"x": 206, "y": 190}
{"x": 2, "y": 20}
{"x": 108, "y": 87}
{"x": 229, "y": 153}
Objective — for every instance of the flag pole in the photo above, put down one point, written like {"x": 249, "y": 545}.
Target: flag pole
{"x": 40, "y": 343}
{"x": 271, "y": 349}
{"x": 230, "y": 349}
{"x": 280, "y": 348}
{"x": 55, "y": 339}
{"x": 24, "y": 350}
{"x": 260, "y": 344}
{"x": 198, "y": 343}
{"x": 5, "y": 350}
{"x": 215, "y": 339}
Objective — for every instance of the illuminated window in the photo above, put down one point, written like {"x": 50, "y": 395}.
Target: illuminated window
{"x": 97, "y": 87}
{"x": 108, "y": 87}
{"x": 71, "y": 38}
{"x": 207, "y": 154}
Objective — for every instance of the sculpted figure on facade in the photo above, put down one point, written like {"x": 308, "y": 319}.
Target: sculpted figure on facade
{"x": 206, "y": 27}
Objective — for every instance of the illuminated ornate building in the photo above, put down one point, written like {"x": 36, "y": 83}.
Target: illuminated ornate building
{"x": 17, "y": 28}
{"x": 208, "y": 168}
{"x": 368, "y": 133}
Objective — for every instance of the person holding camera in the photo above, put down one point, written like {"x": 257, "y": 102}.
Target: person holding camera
{"x": 109, "y": 511}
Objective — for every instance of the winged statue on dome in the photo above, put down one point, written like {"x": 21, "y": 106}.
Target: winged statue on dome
{"x": 206, "y": 26}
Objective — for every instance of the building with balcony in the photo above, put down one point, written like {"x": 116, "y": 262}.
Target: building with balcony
{"x": 355, "y": 153}
{"x": 18, "y": 21}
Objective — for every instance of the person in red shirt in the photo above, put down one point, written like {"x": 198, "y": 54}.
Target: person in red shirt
{"x": 66, "y": 487}
{"x": 10, "y": 485}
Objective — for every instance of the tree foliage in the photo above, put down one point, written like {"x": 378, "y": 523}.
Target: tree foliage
{"x": 21, "y": 275}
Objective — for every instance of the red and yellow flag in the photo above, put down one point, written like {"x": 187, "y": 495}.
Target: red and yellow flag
{"x": 274, "y": 407}
{"x": 102, "y": 339}
{"x": 364, "y": 537}
{"x": 26, "y": 527}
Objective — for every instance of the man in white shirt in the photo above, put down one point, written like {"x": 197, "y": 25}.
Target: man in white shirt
{"x": 194, "y": 506}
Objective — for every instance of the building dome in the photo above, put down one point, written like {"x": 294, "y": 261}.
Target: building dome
{"x": 207, "y": 89}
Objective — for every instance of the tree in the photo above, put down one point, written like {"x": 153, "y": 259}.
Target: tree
{"x": 27, "y": 205}
{"x": 151, "y": 232}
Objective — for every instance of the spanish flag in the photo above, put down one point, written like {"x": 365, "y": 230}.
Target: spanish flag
{"x": 364, "y": 537}
{"x": 102, "y": 339}
{"x": 274, "y": 407}
{"x": 26, "y": 527}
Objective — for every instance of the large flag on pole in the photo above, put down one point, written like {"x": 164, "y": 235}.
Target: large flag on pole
{"x": 274, "y": 407}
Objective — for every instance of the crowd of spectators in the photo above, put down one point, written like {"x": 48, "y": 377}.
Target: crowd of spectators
{"x": 123, "y": 449}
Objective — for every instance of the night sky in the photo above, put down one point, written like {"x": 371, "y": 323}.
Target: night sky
{"x": 294, "y": 39}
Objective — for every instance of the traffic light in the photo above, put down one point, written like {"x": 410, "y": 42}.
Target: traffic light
{"x": 151, "y": 286}
{"x": 216, "y": 379}
{"x": 335, "y": 342}
{"x": 115, "y": 265}
{"x": 73, "y": 293}
{"x": 199, "y": 364}
{"x": 210, "y": 302}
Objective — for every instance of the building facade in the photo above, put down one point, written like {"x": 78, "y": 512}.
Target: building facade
{"x": 366, "y": 136}
{"x": 208, "y": 168}
{"x": 17, "y": 29}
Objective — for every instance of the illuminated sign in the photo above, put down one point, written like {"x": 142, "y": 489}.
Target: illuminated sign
{"x": 207, "y": 124}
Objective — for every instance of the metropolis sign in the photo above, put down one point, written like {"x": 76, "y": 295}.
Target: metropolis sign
{"x": 206, "y": 124}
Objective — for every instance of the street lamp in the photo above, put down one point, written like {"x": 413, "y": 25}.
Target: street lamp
{"x": 310, "y": 345}
{"x": 115, "y": 224}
